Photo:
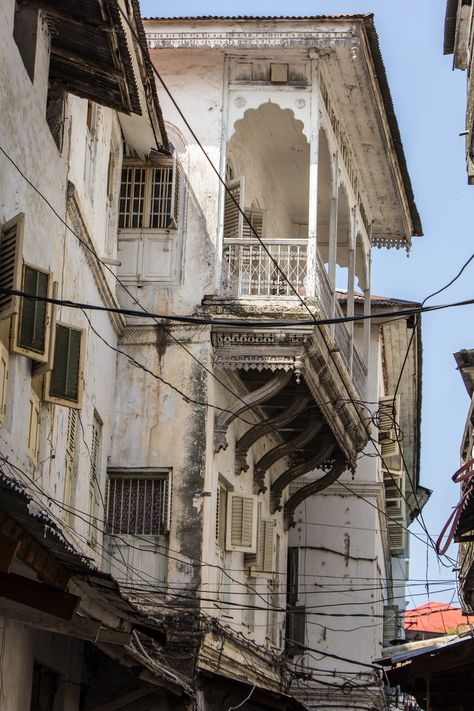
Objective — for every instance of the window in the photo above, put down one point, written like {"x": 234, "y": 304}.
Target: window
{"x": 31, "y": 317}
{"x": 149, "y": 197}
{"x": 221, "y": 512}
{"x": 292, "y": 591}
{"x": 94, "y": 481}
{"x": 241, "y": 529}
{"x": 43, "y": 688}
{"x": 25, "y": 29}
{"x": 70, "y": 460}
{"x": 138, "y": 504}
{"x": 64, "y": 384}
{"x": 33, "y": 427}
{"x": 262, "y": 561}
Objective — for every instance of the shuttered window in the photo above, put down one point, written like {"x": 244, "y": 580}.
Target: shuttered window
{"x": 149, "y": 197}
{"x": 221, "y": 509}
{"x": 138, "y": 504}
{"x": 241, "y": 532}
{"x": 11, "y": 250}
{"x": 33, "y": 437}
{"x": 65, "y": 382}
{"x": 233, "y": 220}
{"x": 31, "y": 328}
{"x": 70, "y": 460}
{"x": 255, "y": 217}
{"x": 94, "y": 480}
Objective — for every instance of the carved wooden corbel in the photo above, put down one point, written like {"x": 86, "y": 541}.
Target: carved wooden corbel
{"x": 284, "y": 449}
{"x": 262, "y": 428}
{"x": 325, "y": 450}
{"x": 257, "y": 397}
{"x": 313, "y": 488}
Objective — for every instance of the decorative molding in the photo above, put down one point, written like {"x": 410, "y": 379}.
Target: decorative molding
{"x": 257, "y": 397}
{"x": 325, "y": 451}
{"x": 79, "y": 226}
{"x": 262, "y": 428}
{"x": 283, "y": 450}
{"x": 311, "y": 489}
{"x": 254, "y": 39}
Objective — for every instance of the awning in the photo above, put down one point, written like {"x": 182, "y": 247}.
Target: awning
{"x": 437, "y": 673}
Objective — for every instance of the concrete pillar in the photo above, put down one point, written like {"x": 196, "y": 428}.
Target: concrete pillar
{"x": 333, "y": 236}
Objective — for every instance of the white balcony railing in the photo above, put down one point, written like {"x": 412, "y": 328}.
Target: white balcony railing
{"x": 248, "y": 270}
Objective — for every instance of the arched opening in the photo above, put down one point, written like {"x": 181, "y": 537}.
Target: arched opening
{"x": 343, "y": 239}
{"x": 270, "y": 158}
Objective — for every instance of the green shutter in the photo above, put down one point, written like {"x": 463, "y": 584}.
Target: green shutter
{"x": 11, "y": 248}
{"x": 66, "y": 368}
{"x": 33, "y": 314}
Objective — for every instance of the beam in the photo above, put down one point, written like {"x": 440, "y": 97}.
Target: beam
{"x": 326, "y": 448}
{"x": 262, "y": 428}
{"x": 271, "y": 388}
{"x": 39, "y": 596}
{"x": 9, "y": 548}
{"x": 285, "y": 449}
{"x": 79, "y": 627}
{"x": 126, "y": 699}
{"x": 311, "y": 489}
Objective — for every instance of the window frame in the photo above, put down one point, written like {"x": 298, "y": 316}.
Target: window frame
{"x": 141, "y": 473}
{"x": 15, "y": 345}
{"x": 57, "y": 400}
{"x": 147, "y": 200}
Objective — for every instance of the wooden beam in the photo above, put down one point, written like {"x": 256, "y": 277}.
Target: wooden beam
{"x": 35, "y": 555}
{"x": 37, "y": 595}
{"x": 126, "y": 699}
{"x": 79, "y": 627}
{"x": 9, "y": 548}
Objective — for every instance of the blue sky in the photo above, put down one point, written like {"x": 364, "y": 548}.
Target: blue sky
{"x": 429, "y": 101}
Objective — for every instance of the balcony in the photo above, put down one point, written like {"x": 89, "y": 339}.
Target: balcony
{"x": 249, "y": 271}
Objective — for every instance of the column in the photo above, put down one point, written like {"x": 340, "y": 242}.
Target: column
{"x": 333, "y": 236}
{"x": 367, "y": 311}
{"x": 312, "y": 248}
{"x": 351, "y": 283}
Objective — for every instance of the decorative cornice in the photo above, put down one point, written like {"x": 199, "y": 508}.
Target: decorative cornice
{"x": 254, "y": 39}
{"x": 79, "y": 226}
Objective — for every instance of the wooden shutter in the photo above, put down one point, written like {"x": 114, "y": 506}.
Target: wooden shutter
{"x": 11, "y": 250}
{"x": 241, "y": 531}
{"x": 175, "y": 193}
{"x": 388, "y": 417}
{"x": 33, "y": 427}
{"x": 32, "y": 323}
{"x": 64, "y": 384}
{"x": 391, "y": 624}
{"x": 39, "y": 368}
{"x": 221, "y": 509}
{"x": 3, "y": 381}
{"x": 69, "y": 464}
{"x": 233, "y": 220}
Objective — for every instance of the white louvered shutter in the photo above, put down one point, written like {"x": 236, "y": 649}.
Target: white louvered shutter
{"x": 241, "y": 531}
{"x": 11, "y": 251}
{"x": 255, "y": 217}
{"x": 233, "y": 219}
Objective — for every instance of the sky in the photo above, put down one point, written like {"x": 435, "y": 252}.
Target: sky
{"x": 429, "y": 100}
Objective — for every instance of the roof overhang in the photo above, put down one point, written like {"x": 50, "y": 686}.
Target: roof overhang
{"x": 438, "y": 672}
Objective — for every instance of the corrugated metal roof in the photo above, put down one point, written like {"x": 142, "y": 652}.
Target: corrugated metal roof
{"x": 368, "y": 21}
{"x": 450, "y": 26}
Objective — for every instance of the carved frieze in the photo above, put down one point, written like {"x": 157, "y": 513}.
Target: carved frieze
{"x": 255, "y": 39}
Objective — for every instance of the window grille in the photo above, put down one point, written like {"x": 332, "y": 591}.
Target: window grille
{"x": 137, "y": 504}
{"x": 149, "y": 197}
